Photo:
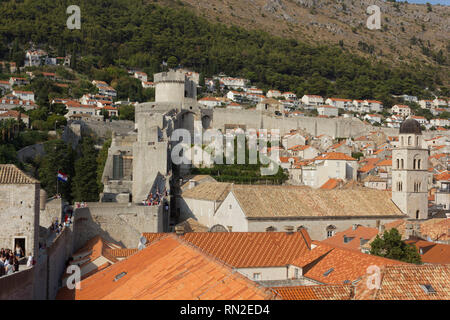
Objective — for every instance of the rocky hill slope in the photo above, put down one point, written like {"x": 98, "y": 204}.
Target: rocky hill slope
{"x": 409, "y": 32}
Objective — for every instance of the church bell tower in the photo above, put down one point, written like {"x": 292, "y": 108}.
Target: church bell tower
{"x": 409, "y": 172}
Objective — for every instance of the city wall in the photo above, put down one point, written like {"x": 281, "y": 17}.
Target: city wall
{"x": 122, "y": 224}
{"x": 18, "y": 286}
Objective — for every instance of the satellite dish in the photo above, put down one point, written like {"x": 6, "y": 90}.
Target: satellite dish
{"x": 141, "y": 246}
{"x": 143, "y": 240}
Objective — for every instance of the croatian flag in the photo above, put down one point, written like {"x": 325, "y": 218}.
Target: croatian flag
{"x": 62, "y": 176}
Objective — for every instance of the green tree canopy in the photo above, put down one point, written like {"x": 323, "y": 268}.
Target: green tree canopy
{"x": 391, "y": 246}
{"x": 58, "y": 156}
{"x": 84, "y": 184}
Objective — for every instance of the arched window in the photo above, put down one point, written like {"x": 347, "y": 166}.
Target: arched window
{"x": 330, "y": 231}
{"x": 417, "y": 214}
{"x": 414, "y": 164}
{"x": 417, "y": 141}
{"x": 398, "y": 163}
{"x": 409, "y": 140}
{"x": 402, "y": 164}
{"x": 403, "y": 141}
{"x": 418, "y": 164}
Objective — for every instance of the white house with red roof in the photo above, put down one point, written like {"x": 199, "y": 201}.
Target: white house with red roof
{"x": 24, "y": 95}
{"x": 289, "y": 95}
{"x": 329, "y": 165}
{"x": 254, "y": 90}
{"x": 142, "y": 76}
{"x": 235, "y": 95}
{"x": 402, "y": 110}
{"x": 312, "y": 100}
{"x": 439, "y": 102}
{"x": 13, "y": 114}
{"x": 17, "y": 81}
{"x": 107, "y": 91}
{"x": 426, "y": 104}
{"x": 148, "y": 84}
{"x": 10, "y": 102}
{"x": 440, "y": 122}
{"x": 273, "y": 94}
{"x": 373, "y": 118}
{"x": 420, "y": 119}
{"x": 210, "y": 102}
{"x": 339, "y": 103}
{"x": 76, "y": 108}
{"x": 437, "y": 111}
{"x": 5, "y": 85}
{"x": 374, "y": 105}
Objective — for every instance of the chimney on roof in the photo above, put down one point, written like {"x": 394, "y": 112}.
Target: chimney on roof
{"x": 289, "y": 229}
{"x": 355, "y": 226}
{"x": 192, "y": 184}
{"x": 409, "y": 232}
{"x": 179, "y": 230}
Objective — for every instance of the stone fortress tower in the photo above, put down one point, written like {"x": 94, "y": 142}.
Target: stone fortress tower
{"x": 409, "y": 172}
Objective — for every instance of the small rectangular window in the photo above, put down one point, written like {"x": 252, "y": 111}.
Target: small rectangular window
{"x": 257, "y": 276}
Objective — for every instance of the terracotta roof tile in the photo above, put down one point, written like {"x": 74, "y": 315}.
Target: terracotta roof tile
{"x": 431, "y": 252}
{"x": 169, "y": 269}
{"x": 436, "y": 229}
{"x": 335, "y": 156}
{"x": 331, "y": 184}
{"x": 405, "y": 282}
{"x": 250, "y": 249}
{"x": 334, "y": 265}
{"x": 319, "y": 292}
{"x": 360, "y": 233}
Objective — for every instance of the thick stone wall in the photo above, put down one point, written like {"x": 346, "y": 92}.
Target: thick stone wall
{"x": 317, "y": 228}
{"x": 57, "y": 256}
{"x": 252, "y": 119}
{"x": 19, "y": 212}
{"x": 122, "y": 224}
{"x": 18, "y": 286}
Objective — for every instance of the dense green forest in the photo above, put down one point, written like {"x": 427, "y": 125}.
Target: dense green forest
{"x": 137, "y": 33}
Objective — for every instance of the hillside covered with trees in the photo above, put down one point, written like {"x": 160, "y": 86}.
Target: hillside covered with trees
{"x": 136, "y": 33}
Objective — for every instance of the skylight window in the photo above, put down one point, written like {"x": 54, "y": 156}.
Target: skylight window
{"x": 328, "y": 272}
{"x": 427, "y": 288}
{"x": 120, "y": 275}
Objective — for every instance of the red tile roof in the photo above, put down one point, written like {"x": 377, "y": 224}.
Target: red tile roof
{"x": 335, "y": 156}
{"x": 405, "y": 282}
{"x": 319, "y": 292}
{"x": 444, "y": 176}
{"x": 334, "y": 265}
{"x": 331, "y": 184}
{"x": 385, "y": 162}
{"x": 432, "y": 252}
{"x": 169, "y": 269}
{"x": 360, "y": 233}
{"x": 251, "y": 249}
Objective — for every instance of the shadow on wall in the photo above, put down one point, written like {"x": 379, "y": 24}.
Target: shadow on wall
{"x": 87, "y": 227}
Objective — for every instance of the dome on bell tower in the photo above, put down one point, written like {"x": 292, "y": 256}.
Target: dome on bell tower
{"x": 410, "y": 126}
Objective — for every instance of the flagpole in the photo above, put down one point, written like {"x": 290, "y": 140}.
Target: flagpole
{"x": 57, "y": 180}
